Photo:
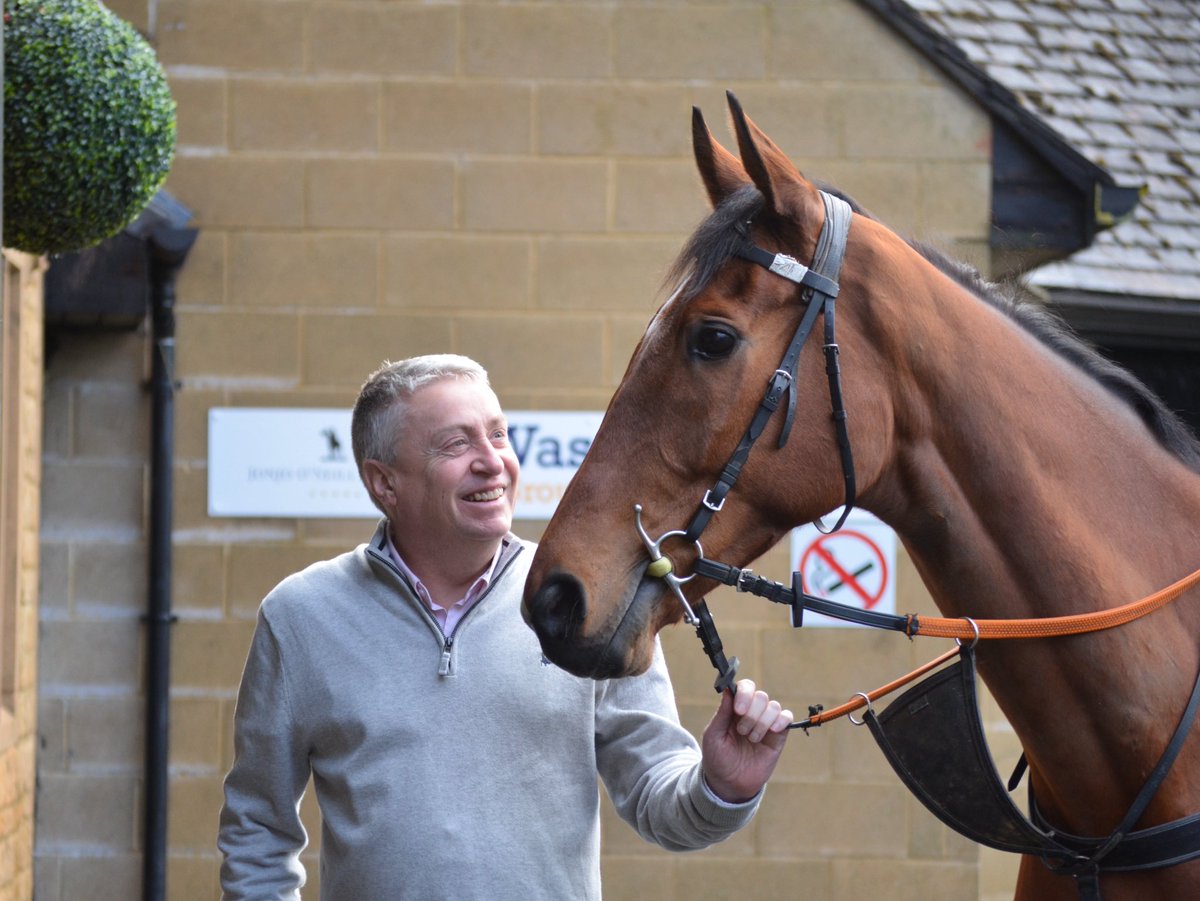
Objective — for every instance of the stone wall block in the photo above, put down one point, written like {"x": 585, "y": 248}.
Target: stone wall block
{"x": 476, "y": 117}
{"x": 95, "y": 811}
{"x": 835, "y": 41}
{"x": 383, "y": 39}
{"x": 622, "y": 119}
{"x": 202, "y": 111}
{"x": 283, "y": 270}
{"x": 602, "y": 273}
{"x": 457, "y": 272}
{"x": 538, "y": 195}
{"x": 679, "y": 42}
{"x": 297, "y": 116}
{"x": 536, "y": 41}
{"x": 83, "y": 655}
{"x": 343, "y": 350}
{"x": 241, "y": 192}
{"x": 240, "y": 35}
{"x": 380, "y": 194}
{"x": 659, "y": 197}
{"x": 99, "y": 499}
{"x": 238, "y": 346}
{"x": 520, "y": 350}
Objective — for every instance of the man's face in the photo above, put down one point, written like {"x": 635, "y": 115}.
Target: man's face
{"x": 455, "y": 475}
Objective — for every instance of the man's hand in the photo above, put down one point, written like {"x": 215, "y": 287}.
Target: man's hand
{"x": 743, "y": 742}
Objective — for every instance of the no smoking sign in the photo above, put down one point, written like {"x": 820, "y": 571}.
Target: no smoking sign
{"x": 854, "y": 566}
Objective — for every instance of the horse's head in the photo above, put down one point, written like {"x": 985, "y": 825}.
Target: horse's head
{"x": 690, "y": 392}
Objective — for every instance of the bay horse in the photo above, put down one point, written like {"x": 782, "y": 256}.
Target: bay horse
{"x": 1025, "y": 475}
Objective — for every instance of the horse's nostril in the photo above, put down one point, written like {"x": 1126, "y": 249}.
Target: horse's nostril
{"x": 559, "y": 607}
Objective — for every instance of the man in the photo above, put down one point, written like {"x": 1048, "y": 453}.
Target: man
{"x": 450, "y": 762}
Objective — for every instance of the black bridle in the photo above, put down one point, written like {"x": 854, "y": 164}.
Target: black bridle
{"x": 818, "y": 290}
{"x": 818, "y": 286}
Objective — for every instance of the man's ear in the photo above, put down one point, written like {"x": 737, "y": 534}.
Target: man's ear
{"x": 381, "y": 482}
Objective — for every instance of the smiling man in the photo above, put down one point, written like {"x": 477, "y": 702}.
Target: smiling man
{"x": 450, "y": 762}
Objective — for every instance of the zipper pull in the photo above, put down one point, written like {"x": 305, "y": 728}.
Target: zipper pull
{"x": 444, "y": 665}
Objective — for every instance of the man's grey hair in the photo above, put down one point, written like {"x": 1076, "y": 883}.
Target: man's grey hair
{"x": 382, "y": 402}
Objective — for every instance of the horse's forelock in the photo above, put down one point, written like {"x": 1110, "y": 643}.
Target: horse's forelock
{"x": 714, "y": 241}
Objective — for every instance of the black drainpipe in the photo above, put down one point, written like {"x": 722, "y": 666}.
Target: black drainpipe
{"x": 167, "y": 249}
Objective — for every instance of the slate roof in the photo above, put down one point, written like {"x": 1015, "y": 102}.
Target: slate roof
{"x": 1118, "y": 80}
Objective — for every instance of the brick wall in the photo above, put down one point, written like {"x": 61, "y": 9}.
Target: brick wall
{"x": 510, "y": 181}
{"x": 20, "y": 477}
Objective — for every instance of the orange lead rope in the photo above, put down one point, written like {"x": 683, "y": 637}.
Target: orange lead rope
{"x": 961, "y": 628}
{"x": 964, "y": 629}
{"x": 818, "y": 717}
{"x": 1050, "y": 626}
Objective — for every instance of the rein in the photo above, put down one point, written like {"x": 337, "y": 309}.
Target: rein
{"x": 963, "y": 629}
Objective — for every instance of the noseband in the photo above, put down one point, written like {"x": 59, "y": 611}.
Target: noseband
{"x": 818, "y": 290}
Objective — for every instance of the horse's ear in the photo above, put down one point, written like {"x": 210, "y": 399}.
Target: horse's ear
{"x": 767, "y": 165}
{"x": 720, "y": 170}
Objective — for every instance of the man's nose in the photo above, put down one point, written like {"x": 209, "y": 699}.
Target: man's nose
{"x": 488, "y": 459}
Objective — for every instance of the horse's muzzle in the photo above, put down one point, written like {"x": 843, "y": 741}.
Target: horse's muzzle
{"x": 557, "y": 611}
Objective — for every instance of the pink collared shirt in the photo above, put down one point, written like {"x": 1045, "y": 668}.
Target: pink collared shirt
{"x": 447, "y": 617}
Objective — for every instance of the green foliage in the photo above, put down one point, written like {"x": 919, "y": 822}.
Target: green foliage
{"x": 89, "y": 124}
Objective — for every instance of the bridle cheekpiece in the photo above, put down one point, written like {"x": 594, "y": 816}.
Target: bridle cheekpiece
{"x": 818, "y": 289}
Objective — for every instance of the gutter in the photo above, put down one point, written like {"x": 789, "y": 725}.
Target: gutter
{"x": 167, "y": 248}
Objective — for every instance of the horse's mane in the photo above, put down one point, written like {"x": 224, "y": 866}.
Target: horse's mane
{"x": 714, "y": 242}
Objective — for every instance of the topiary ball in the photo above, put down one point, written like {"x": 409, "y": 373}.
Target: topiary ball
{"x": 89, "y": 124}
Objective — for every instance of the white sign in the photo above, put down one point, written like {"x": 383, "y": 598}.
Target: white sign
{"x": 550, "y": 446}
{"x": 855, "y": 565}
{"x": 298, "y": 462}
{"x": 283, "y": 462}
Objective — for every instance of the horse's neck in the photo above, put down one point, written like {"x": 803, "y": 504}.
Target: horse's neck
{"x": 1022, "y": 488}
{"x": 1021, "y": 485}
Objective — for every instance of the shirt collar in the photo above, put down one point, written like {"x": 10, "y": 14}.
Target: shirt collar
{"x": 477, "y": 587}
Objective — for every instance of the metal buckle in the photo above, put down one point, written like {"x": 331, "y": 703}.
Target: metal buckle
{"x": 716, "y": 508}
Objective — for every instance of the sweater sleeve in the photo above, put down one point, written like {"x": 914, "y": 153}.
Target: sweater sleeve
{"x": 260, "y": 834}
{"x": 650, "y": 765}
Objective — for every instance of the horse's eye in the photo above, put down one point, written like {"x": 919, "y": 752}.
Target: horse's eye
{"x": 713, "y": 341}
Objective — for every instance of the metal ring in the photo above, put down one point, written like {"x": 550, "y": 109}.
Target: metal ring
{"x": 866, "y": 697}
{"x": 654, "y": 551}
{"x": 671, "y": 575}
{"x": 654, "y": 547}
{"x": 674, "y": 583}
{"x": 975, "y": 640}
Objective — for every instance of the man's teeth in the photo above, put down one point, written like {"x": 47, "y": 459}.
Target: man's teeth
{"x": 494, "y": 494}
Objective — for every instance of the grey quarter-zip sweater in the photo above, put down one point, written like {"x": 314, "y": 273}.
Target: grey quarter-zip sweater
{"x": 446, "y": 768}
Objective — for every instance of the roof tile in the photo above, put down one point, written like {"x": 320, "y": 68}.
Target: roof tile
{"x": 1119, "y": 80}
